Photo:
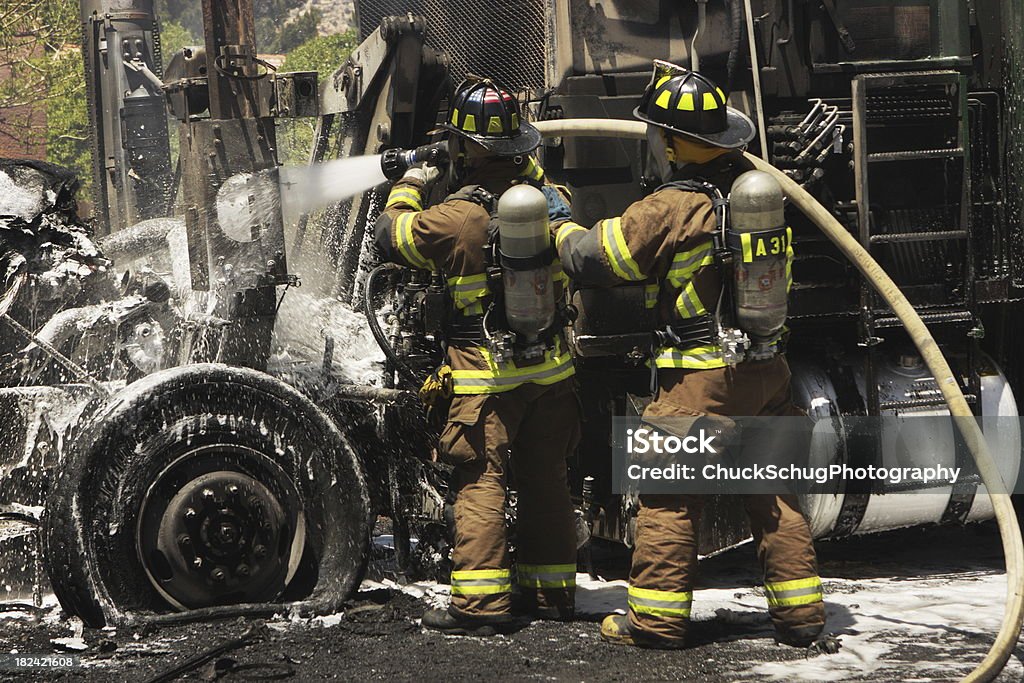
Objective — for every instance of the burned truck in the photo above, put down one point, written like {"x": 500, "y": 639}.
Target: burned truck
{"x": 146, "y": 412}
{"x": 184, "y": 462}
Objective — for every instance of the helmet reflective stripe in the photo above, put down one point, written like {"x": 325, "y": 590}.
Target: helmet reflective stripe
{"x": 619, "y": 256}
{"x": 659, "y": 603}
{"x": 547, "y": 575}
{"x": 481, "y": 582}
{"x": 487, "y": 114}
{"x": 406, "y": 242}
{"x": 679, "y": 100}
{"x": 690, "y": 104}
{"x": 795, "y": 592}
{"x": 696, "y": 358}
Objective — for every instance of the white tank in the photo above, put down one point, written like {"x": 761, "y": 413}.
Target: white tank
{"x": 756, "y": 205}
{"x": 524, "y": 234}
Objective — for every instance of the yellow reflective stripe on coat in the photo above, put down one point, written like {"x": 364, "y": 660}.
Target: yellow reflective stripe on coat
{"x": 481, "y": 582}
{"x": 688, "y": 304}
{"x": 614, "y": 244}
{"x": 533, "y": 170}
{"x": 795, "y": 592}
{"x": 406, "y": 242}
{"x": 659, "y": 603}
{"x": 566, "y": 229}
{"x": 405, "y": 194}
{"x": 687, "y": 262}
{"x": 557, "y": 366}
{"x": 557, "y": 274}
{"x": 696, "y": 358}
{"x": 547, "y": 575}
{"x": 651, "y": 292}
{"x": 467, "y": 290}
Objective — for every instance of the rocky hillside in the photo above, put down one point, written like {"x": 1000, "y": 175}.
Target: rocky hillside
{"x": 336, "y": 16}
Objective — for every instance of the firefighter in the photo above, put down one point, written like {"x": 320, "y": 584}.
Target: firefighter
{"x": 665, "y": 241}
{"x": 507, "y": 415}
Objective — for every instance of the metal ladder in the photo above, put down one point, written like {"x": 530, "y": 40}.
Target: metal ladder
{"x": 874, "y": 317}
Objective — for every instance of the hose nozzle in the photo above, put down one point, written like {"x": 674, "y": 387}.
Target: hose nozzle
{"x": 395, "y": 162}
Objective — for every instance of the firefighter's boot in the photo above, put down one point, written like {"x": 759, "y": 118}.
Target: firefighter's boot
{"x": 457, "y": 624}
{"x": 616, "y": 629}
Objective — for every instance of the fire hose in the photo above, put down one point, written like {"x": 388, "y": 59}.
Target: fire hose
{"x": 1009, "y": 531}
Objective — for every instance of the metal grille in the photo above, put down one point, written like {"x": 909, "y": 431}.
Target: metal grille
{"x": 496, "y": 38}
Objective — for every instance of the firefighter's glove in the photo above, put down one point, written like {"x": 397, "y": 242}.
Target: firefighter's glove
{"x": 425, "y": 174}
{"x": 438, "y": 385}
{"x": 558, "y": 208}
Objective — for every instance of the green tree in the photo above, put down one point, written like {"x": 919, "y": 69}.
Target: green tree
{"x": 323, "y": 54}
{"x": 67, "y": 118}
{"x": 297, "y": 32}
{"x": 174, "y": 36}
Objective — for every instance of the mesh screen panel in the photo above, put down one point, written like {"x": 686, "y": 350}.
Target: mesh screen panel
{"x": 503, "y": 39}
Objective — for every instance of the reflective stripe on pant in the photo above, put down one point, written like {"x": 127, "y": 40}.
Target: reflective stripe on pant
{"x": 665, "y": 563}
{"x": 547, "y": 575}
{"x": 665, "y": 554}
{"x": 786, "y": 553}
{"x": 527, "y": 432}
{"x": 659, "y": 603}
{"x": 795, "y": 592}
{"x": 481, "y": 582}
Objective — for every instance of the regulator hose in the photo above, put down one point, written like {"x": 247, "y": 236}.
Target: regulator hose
{"x": 1009, "y": 531}
{"x": 375, "y": 329}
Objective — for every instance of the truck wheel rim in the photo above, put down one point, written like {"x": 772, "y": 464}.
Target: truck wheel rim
{"x": 222, "y": 524}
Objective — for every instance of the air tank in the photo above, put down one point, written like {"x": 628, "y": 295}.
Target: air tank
{"x": 761, "y": 261}
{"x": 526, "y": 274}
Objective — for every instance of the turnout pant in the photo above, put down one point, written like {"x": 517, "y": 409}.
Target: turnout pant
{"x": 665, "y": 557}
{"x": 530, "y": 430}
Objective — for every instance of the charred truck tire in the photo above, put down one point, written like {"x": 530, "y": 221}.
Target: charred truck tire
{"x": 202, "y": 486}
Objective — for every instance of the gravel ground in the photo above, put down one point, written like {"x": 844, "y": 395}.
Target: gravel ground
{"x": 919, "y": 604}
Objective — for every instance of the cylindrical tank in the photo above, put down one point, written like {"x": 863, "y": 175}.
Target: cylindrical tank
{"x": 761, "y": 262}
{"x": 830, "y": 395}
{"x": 524, "y": 235}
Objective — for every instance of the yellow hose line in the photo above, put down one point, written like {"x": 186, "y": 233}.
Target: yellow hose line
{"x": 1009, "y": 531}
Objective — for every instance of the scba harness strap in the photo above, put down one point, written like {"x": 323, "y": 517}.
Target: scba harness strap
{"x": 470, "y": 329}
{"x": 721, "y": 328}
{"x": 702, "y": 330}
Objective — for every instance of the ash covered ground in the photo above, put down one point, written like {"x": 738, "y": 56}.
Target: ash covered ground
{"x": 912, "y": 605}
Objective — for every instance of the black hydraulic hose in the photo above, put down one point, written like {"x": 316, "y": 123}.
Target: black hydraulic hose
{"x": 735, "y": 43}
{"x": 375, "y": 329}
